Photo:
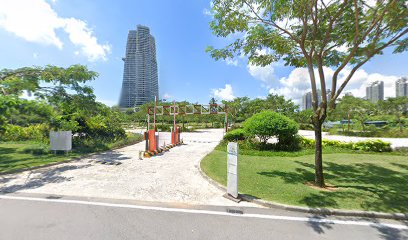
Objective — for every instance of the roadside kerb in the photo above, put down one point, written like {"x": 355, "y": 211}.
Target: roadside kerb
{"x": 320, "y": 211}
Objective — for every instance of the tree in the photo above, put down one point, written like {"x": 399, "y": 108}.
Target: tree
{"x": 350, "y": 107}
{"x": 312, "y": 34}
{"x": 279, "y": 104}
{"x": 267, "y": 124}
{"x": 46, "y": 82}
{"x": 397, "y": 107}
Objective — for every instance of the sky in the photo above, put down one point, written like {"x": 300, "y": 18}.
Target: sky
{"x": 94, "y": 33}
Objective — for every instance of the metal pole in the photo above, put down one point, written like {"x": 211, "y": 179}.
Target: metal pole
{"x": 154, "y": 116}
{"x": 226, "y": 119}
{"x": 174, "y": 116}
{"x": 148, "y": 122}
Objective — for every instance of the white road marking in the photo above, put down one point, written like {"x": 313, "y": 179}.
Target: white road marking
{"x": 208, "y": 212}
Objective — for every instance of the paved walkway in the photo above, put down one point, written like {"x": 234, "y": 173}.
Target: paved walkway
{"x": 395, "y": 142}
{"x": 171, "y": 177}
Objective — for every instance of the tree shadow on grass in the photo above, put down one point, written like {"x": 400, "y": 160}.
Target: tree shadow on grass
{"x": 7, "y": 150}
{"x": 387, "y": 189}
{"x": 378, "y": 188}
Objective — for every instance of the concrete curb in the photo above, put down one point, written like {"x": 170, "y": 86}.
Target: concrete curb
{"x": 65, "y": 161}
{"x": 320, "y": 211}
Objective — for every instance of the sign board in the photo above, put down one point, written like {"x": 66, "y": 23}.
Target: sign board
{"x": 61, "y": 140}
{"x": 232, "y": 184}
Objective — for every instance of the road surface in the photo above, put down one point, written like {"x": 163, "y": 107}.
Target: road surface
{"x": 171, "y": 177}
{"x": 24, "y": 217}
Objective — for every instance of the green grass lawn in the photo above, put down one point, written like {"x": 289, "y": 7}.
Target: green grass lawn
{"x": 371, "y": 182}
{"x": 25, "y": 155}
{"x": 14, "y": 156}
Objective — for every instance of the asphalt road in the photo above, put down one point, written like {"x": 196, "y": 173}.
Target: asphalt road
{"x": 31, "y": 218}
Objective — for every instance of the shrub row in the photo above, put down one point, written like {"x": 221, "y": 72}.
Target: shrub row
{"x": 235, "y": 135}
{"x": 37, "y": 132}
{"x": 368, "y": 145}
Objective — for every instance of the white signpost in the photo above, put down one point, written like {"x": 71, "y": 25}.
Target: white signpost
{"x": 61, "y": 140}
{"x": 232, "y": 184}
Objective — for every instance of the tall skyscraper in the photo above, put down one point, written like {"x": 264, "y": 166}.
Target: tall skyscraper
{"x": 307, "y": 98}
{"x": 307, "y": 101}
{"x": 140, "y": 79}
{"x": 401, "y": 87}
{"x": 375, "y": 91}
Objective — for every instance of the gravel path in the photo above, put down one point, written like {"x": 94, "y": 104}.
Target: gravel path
{"x": 395, "y": 142}
{"x": 171, "y": 177}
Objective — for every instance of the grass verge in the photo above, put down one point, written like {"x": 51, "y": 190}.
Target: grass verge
{"x": 370, "y": 182}
{"x": 25, "y": 155}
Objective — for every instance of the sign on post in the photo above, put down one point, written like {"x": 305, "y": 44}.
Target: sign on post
{"x": 232, "y": 184}
{"x": 61, "y": 140}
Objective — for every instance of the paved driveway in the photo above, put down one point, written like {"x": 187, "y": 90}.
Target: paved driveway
{"x": 171, "y": 177}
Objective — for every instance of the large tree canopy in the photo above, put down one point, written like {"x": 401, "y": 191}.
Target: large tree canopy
{"x": 46, "y": 81}
{"x": 313, "y": 34}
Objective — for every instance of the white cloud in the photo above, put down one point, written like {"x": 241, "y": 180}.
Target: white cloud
{"x": 82, "y": 36}
{"x": 35, "y": 55}
{"x": 167, "y": 96}
{"x": 265, "y": 74}
{"x": 38, "y": 22}
{"x": 224, "y": 93}
{"x": 298, "y": 83}
{"x": 207, "y": 12}
{"x": 109, "y": 103}
{"x": 232, "y": 62}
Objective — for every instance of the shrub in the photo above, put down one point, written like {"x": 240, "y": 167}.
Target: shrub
{"x": 367, "y": 146}
{"x": 335, "y": 143}
{"x": 218, "y": 125}
{"x": 290, "y": 143}
{"x": 267, "y": 124}
{"x": 38, "y": 132}
{"x": 306, "y": 126}
{"x": 372, "y": 145}
{"x": 235, "y": 135}
{"x": 307, "y": 142}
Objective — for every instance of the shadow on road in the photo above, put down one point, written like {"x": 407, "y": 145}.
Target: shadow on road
{"x": 110, "y": 156}
{"x": 41, "y": 178}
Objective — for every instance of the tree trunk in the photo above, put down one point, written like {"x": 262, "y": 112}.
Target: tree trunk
{"x": 319, "y": 178}
{"x": 401, "y": 124}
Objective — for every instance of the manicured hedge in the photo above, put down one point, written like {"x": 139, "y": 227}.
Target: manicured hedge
{"x": 367, "y": 146}
{"x": 235, "y": 135}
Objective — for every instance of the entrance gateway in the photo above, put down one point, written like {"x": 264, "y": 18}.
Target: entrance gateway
{"x": 153, "y": 143}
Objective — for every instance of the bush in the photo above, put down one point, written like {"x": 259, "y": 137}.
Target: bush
{"x": 87, "y": 145}
{"x": 267, "y": 124}
{"x": 235, "y": 135}
{"x": 218, "y": 125}
{"x": 306, "y": 126}
{"x": 367, "y": 146}
{"x": 290, "y": 143}
{"x": 38, "y": 132}
{"x": 372, "y": 146}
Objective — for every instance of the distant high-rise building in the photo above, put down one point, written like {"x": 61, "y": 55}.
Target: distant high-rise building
{"x": 307, "y": 101}
{"x": 375, "y": 91}
{"x": 140, "y": 79}
{"x": 401, "y": 87}
{"x": 307, "y": 98}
